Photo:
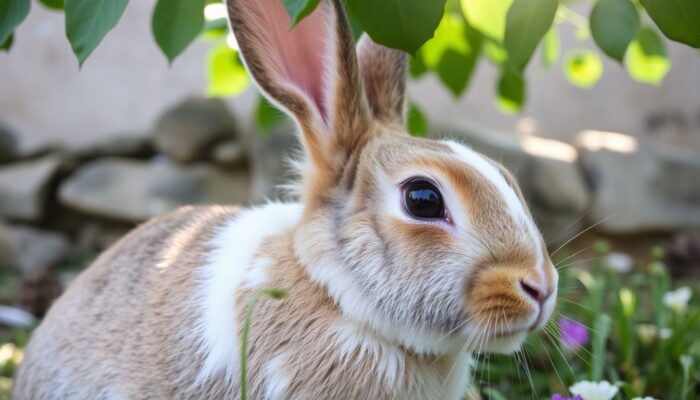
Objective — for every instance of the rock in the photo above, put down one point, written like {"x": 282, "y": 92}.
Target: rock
{"x": 24, "y": 187}
{"x": 31, "y": 252}
{"x": 639, "y": 188}
{"x": 269, "y": 155}
{"x": 187, "y": 131}
{"x": 682, "y": 256}
{"x": 547, "y": 172}
{"x": 229, "y": 153}
{"x": 8, "y": 145}
{"x": 131, "y": 190}
{"x": 95, "y": 236}
{"x": 126, "y": 145}
{"x": 14, "y": 317}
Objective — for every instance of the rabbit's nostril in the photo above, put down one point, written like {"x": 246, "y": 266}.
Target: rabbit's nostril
{"x": 537, "y": 294}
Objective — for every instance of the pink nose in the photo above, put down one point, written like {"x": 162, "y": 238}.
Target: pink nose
{"x": 537, "y": 293}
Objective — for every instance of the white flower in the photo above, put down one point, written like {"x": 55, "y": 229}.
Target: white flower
{"x": 647, "y": 333}
{"x": 588, "y": 390}
{"x": 677, "y": 300}
{"x": 644, "y": 398}
{"x": 619, "y": 262}
{"x": 665, "y": 333}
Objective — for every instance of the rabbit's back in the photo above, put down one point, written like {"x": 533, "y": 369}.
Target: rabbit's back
{"x": 117, "y": 332}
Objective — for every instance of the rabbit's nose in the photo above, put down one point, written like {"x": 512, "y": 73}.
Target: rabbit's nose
{"x": 539, "y": 293}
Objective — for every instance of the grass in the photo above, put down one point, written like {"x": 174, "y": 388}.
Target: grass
{"x": 637, "y": 341}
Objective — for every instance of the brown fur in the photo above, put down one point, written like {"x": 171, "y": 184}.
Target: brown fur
{"x": 127, "y": 326}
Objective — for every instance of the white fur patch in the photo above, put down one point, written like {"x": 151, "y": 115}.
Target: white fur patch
{"x": 276, "y": 382}
{"x": 328, "y": 271}
{"x": 515, "y": 206}
{"x": 230, "y": 265}
{"x": 358, "y": 342}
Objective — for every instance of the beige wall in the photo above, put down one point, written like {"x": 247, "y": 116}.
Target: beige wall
{"x": 127, "y": 82}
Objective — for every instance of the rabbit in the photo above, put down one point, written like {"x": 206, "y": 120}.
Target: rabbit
{"x": 403, "y": 257}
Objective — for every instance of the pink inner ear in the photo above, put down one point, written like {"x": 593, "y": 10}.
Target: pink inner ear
{"x": 296, "y": 56}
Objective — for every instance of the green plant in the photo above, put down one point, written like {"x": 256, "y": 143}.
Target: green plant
{"x": 273, "y": 293}
{"x": 643, "y": 337}
{"x": 446, "y": 37}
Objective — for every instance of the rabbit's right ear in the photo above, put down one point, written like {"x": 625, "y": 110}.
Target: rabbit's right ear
{"x": 310, "y": 71}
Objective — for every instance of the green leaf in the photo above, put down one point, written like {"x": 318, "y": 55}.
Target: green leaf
{"x": 583, "y": 68}
{"x": 614, "y": 23}
{"x": 511, "y": 91}
{"x": 88, "y": 21}
{"x": 54, "y": 4}
{"x": 226, "y": 74}
{"x": 299, "y": 9}
{"x": 551, "y": 49}
{"x": 647, "y": 58}
{"x": 417, "y": 123}
{"x": 488, "y": 16}
{"x": 601, "y": 330}
{"x": 12, "y": 13}
{"x": 267, "y": 116}
{"x": 416, "y": 66}
{"x": 494, "y": 51}
{"x": 527, "y": 21}
{"x": 176, "y": 23}
{"x": 679, "y": 20}
{"x": 401, "y": 24}
{"x": 8, "y": 43}
{"x": 453, "y": 52}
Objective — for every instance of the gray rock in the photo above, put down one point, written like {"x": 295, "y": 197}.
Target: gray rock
{"x": 31, "y": 252}
{"x": 14, "y": 317}
{"x": 229, "y": 153}
{"x": 187, "y": 131}
{"x": 644, "y": 189}
{"x": 268, "y": 157}
{"x": 8, "y": 145}
{"x": 547, "y": 172}
{"x": 128, "y": 145}
{"x": 24, "y": 187}
{"x": 137, "y": 190}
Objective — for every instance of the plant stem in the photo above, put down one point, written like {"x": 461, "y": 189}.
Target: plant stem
{"x": 272, "y": 293}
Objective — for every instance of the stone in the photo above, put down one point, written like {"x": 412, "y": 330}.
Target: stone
{"x": 25, "y": 187}
{"x": 8, "y": 145}
{"x": 128, "y": 145}
{"x": 640, "y": 188}
{"x": 547, "y": 172}
{"x": 187, "y": 131}
{"x": 14, "y": 317}
{"x": 130, "y": 190}
{"x": 31, "y": 252}
{"x": 230, "y": 153}
{"x": 269, "y": 162}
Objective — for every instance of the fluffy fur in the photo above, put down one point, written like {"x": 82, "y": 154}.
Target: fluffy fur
{"x": 381, "y": 305}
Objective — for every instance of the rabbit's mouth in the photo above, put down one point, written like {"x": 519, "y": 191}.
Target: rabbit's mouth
{"x": 505, "y": 342}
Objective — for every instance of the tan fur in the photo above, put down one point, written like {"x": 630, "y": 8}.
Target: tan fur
{"x": 120, "y": 330}
{"x": 380, "y": 306}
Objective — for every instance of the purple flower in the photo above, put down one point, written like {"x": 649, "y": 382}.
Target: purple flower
{"x": 558, "y": 396}
{"x": 573, "y": 333}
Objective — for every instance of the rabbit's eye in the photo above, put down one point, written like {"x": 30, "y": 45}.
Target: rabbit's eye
{"x": 423, "y": 199}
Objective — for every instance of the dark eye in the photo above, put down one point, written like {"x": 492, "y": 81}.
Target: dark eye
{"x": 423, "y": 199}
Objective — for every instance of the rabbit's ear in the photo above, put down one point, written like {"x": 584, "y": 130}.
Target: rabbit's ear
{"x": 383, "y": 72}
{"x": 310, "y": 71}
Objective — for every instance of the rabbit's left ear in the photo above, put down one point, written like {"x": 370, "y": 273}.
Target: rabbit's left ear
{"x": 311, "y": 71}
{"x": 384, "y": 75}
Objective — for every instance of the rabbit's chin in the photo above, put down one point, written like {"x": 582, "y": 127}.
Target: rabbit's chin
{"x": 505, "y": 344}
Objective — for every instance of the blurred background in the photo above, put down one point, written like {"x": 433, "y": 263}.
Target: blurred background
{"x": 88, "y": 153}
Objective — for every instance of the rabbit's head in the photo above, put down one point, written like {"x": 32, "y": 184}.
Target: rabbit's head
{"x": 427, "y": 242}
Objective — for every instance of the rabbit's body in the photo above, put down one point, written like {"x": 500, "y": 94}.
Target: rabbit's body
{"x": 404, "y": 255}
{"x": 128, "y": 351}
